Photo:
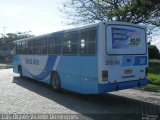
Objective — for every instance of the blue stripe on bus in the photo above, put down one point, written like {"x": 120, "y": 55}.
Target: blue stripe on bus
{"x": 121, "y": 85}
{"x": 127, "y": 60}
{"x": 134, "y": 60}
{"x": 47, "y": 69}
{"x": 140, "y": 60}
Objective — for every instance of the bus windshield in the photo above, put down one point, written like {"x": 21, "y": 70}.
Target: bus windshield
{"x": 125, "y": 40}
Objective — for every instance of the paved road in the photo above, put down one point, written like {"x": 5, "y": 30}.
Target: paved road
{"x": 31, "y": 97}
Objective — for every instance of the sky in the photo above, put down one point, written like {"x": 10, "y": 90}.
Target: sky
{"x": 156, "y": 41}
{"x": 37, "y": 16}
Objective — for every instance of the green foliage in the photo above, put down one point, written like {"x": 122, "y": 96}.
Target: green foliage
{"x": 154, "y": 75}
{"x": 153, "y": 52}
{"x": 7, "y": 40}
{"x": 143, "y": 12}
{"x": 135, "y": 11}
{"x": 154, "y": 79}
{"x": 154, "y": 66}
{"x": 10, "y": 37}
{"x": 152, "y": 87}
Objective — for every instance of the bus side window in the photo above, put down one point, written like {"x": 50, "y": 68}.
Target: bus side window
{"x": 67, "y": 43}
{"x": 41, "y": 46}
{"x": 58, "y": 43}
{"x": 88, "y": 42}
{"x": 74, "y": 42}
{"x": 19, "y": 48}
{"x": 83, "y": 39}
{"x": 26, "y": 48}
{"x": 23, "y": 47}
{"x": 70, "y": 43}
{"x": 29, "y": 47}
{"x": 92, "y": 41}
{"x": 51, "y": 44}
{"x": 14, "y": 48}
{"x": 34, "y": 46}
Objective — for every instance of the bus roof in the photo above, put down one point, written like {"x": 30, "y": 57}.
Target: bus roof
{"x": 81, "y": 27}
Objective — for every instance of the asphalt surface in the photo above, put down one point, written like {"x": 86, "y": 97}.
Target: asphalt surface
{"x": 26, "y": 96}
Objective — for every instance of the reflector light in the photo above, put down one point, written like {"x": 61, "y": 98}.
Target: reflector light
{"x": 104, "y": 75}
{"x": 146, "y": 71}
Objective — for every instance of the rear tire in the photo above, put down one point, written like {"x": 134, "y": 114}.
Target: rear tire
{"x": 55, "y": 82}
{"x": 20, "y": 72}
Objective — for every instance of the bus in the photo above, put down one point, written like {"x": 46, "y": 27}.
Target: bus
{"x": 92, "y": 59}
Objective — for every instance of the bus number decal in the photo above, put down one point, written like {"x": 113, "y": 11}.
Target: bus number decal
{"x": 112, "y": 62}
{"x": 31, "y": 61}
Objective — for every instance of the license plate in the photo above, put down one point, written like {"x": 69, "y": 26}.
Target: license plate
{"x": 128, "y": 71}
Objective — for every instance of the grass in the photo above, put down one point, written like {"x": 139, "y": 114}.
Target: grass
{"x": 154, "y": 66}
{"x": 154, "y": 79}
{"x": 152, "y": 87}
{"x": 153, "y": 75}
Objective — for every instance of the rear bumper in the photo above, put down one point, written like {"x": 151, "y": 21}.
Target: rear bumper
{"x": 121, "y": 85}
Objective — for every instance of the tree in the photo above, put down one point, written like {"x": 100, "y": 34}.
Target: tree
{"x": 144, "y": 12}
{"x": 10, "y": 37}
{"x": 153, "y": 52}
{"x": 6, "y": 43}
{"x": 134, "y": 11}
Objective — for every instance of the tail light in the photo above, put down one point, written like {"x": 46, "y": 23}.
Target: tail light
{"x": 104, "y": 75}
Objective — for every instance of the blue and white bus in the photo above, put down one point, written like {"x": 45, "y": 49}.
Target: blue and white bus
{"x": 93, "y": 59}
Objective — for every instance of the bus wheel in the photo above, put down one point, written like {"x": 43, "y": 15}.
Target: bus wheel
{"x": 20, "y": 72}
{"x": 55, "y": 82}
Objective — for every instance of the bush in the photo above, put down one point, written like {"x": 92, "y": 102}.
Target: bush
{"x": 153, "y": 52}
{"x": 154, "y": 66}
{"x": 154, "y": 79}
